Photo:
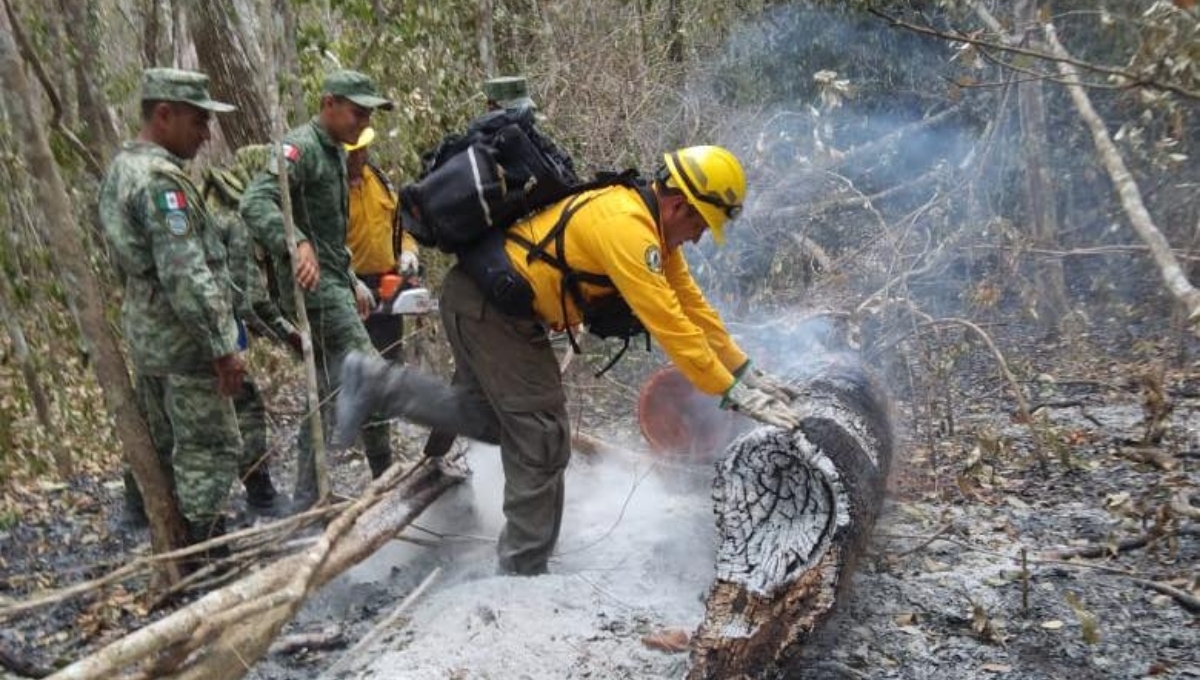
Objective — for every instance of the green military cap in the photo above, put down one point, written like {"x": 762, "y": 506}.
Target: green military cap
{"x": 175, "y": 85}
{"x": 510, "y": 92}
{"x": 356, "y": 87}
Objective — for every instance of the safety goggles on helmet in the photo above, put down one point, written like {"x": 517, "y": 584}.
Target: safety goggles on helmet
{"x": 731, "y": 210}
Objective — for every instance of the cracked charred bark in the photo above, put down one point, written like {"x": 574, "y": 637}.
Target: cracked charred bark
{"x": 794, "y": 510}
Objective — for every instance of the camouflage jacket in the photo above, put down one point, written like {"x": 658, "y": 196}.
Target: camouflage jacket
{"x": 251, "y": 300}
{"x": 320, "y": 207}
{"x": 177, "y": 312}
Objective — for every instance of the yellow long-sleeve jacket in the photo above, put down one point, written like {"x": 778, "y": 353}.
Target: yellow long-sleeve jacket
{"x": 614, "y": 234}
{"x": 370, "y": 229}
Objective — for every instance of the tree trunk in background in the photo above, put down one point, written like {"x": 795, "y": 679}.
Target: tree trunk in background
{"x": 794, "y": 511}
{"x": 487, "y": 42}
{"x": 101, "y": 133}
{"x": 225, "y": 58}
{"x": 151, "y": 33}
{"x": 1040, "y": 196}
{"x": 675, "y": 31}
{"x": 289, "y": 66}
{"x": 1173, "y": 274}
{"x": 167, "y": 530}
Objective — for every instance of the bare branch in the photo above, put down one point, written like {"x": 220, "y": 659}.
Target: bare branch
{"x": 1134, "y": 79}
{"x": 1127, "y": 188}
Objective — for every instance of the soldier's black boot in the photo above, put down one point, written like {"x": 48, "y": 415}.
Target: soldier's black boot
{"x": 261, "y": 496}
{"x": 379, "y": 463}
{"x": 200, "y": 531}
{"x": 133, "y": 513}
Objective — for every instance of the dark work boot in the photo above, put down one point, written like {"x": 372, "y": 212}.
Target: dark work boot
{"x": 133, "y": 514}
{"x": 361, "y": 390}
{"x": 261, "y": 497}
{"x": 379, "y": 464}
{"x": 202, "y": 530}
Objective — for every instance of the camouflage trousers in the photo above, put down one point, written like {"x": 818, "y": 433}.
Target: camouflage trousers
{"x": 336, "y": 330}
{"x": 196, "y": 435}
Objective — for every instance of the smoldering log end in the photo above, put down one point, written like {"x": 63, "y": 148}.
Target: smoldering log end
{"x": 793, "y": 510}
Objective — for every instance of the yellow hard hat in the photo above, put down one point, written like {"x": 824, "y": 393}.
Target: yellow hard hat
{"x": 712, "y": 180}
{"x": 364, "y": 139}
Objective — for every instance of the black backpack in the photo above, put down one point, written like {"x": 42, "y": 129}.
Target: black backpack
{"x": 484, "y": 179}
{"x": 477, "y": 184}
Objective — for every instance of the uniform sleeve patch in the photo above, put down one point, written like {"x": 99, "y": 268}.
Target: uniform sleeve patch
{"x": 177, "y": 222}
{"x": 171, "y": 200}
{"x": 290, "y": 151}
{"x": 654, "y": 259}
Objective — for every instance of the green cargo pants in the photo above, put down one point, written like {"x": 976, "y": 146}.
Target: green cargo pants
{"x": 505, "y": 364}
{"x": 195, "y": 432}
{"x": 336, "y": 330}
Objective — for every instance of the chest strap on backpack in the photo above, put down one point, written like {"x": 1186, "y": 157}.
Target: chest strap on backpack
{"x": 573, "y": 279}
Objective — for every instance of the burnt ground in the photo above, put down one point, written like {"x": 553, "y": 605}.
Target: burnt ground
{"x": 942, "y": 590}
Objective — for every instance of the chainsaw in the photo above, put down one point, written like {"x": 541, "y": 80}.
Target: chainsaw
{"x": 402, "y": 294}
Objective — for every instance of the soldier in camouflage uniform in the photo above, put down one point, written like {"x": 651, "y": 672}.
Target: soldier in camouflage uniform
{"x": 222, "y": 189}
{"x": 316, "y": 163}
{"x": 177, "y": 312}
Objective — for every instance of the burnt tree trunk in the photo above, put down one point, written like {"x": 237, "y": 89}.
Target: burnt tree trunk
{"x": 794, "y": 510}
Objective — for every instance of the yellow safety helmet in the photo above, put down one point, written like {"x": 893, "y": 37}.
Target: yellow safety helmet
{"x": 712, "y": 180}
{"x": 364, "y": 139}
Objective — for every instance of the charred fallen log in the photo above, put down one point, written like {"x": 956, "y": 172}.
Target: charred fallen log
{"x": 794, "y": 510}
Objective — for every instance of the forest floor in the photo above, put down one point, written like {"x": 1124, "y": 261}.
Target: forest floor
{"x": 965, "y": 577}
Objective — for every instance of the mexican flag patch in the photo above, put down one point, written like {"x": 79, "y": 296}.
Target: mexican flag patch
{"x": 172, "y": 200}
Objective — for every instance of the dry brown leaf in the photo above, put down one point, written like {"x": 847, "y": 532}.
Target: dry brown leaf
{"x": 670, "y": 640}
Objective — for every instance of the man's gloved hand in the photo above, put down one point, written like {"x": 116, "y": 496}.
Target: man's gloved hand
{"x": 364, "y": 298}
{"x": 409, "y": 263}
{"x": 755, "y": 377}
{"x": 760, "y": 405}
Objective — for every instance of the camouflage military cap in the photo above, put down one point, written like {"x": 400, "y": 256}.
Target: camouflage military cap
{"x": 510, "y": 92}
{"x": 356, "y": 87}
{"x": 175, "y": 85}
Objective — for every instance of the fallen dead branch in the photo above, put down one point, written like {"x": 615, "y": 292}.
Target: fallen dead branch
{"x": 142, "y": 566}
{"x": 329, "y": 638}
{"x": 223, "y": 633}
{"x": 1187, "y": 600}
{"x": 1124, "y": 545}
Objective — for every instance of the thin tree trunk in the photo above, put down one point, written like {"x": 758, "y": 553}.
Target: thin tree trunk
{"x": 100, "y": 129}
{"x": 487, "y": 40}
{"x": 1040, "y": 194}
{"x": 167, "y": 530}
{"x": 151, "y": 33}
{"x": 675, "y": 44}
{"x": 226, "y": 58}
{"x": 290, "y": 63}
{"x": 1131, "y": 197}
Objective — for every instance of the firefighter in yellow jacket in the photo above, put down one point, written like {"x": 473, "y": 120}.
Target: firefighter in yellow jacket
{"x": 377, "y": 244}
{"x": 627, "y": 241}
